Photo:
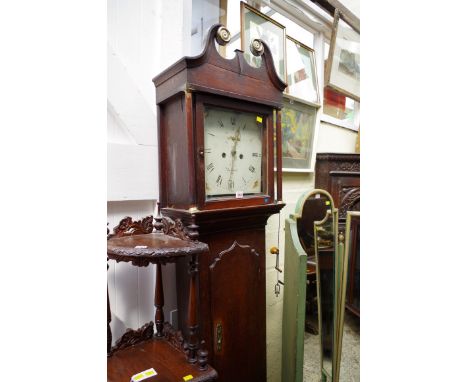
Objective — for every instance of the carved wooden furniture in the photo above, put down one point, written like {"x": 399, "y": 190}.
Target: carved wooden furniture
{"x": 339, "y": 174}
{"x": 354, "y": 269}
{"x": 203, "y": 184}
{"x": 164, "y": 349}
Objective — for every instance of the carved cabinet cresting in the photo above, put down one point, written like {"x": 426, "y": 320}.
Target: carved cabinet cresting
{"x": 216, "y": 147}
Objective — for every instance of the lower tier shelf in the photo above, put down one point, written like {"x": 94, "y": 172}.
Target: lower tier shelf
{"x": 169, "y": 362}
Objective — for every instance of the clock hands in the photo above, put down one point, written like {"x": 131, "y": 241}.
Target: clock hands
{"x": 236, "y": 139}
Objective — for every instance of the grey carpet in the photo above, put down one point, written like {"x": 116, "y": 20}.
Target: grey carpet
{"x": 349, "y": 371}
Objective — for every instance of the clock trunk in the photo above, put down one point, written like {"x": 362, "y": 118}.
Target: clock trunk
{"x": 232, "y": 308}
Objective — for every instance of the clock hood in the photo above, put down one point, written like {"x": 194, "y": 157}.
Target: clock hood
{"x": 209, "y": 72}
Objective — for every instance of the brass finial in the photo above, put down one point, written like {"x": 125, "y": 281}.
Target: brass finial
{"x": 341, "y": 237}
{"x": 223, "y": 36}
{"x": 256, "y": 47}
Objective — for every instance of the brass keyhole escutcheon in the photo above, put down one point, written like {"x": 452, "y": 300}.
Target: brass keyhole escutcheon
{"x": 219, "y": 336}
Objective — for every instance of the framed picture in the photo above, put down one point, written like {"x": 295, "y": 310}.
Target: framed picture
{"x": 340, "y": 110}
{"x": 298, "y": 121}
{"x": 255, "y": 24}
{"x": 302, "y": 71}
{"x": 343, "y": 64}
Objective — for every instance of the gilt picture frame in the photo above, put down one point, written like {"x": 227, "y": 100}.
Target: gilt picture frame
{"x": 302, "y": 72}
{"x": 299, "y": 122}
{"x": 255, "y": 24}
{"x": 342, "y": 72}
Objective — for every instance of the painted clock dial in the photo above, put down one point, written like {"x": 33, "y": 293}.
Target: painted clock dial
{"x": 233, "y": 152}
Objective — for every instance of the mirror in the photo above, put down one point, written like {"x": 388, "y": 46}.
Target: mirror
{"x": 325, "y": 249}
{"x": 315, "y": 275}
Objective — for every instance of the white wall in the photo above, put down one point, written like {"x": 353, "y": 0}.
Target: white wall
{"x": 334, "y": 139}
{"x": 137, "y": 51}
{"x": 131, "y": 289}
{"x": 131, "y": 127}
{"x": 144, "y": 37}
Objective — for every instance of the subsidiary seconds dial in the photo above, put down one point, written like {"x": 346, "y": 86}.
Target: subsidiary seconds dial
{"x": 233, "y": 152}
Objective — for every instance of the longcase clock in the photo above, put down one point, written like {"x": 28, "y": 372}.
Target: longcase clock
{"x": 216, "y": 146}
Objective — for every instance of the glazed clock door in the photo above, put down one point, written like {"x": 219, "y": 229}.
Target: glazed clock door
{"x": 233, "y": 152}
{"x": 233, "y": 141}
{"x": 237, "y": 288}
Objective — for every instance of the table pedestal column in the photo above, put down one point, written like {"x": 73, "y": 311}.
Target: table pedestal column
{"x": 192, "y": 320}
{"x": 159, "y": 302}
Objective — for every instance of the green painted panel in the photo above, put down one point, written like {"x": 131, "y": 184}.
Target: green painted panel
{"x": 295, "y": 267}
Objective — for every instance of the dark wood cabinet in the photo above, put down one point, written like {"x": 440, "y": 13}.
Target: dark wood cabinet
{"x": 339, "y": 174}
{"x": 354, "y": 270}
{"x": 223, "y": 190}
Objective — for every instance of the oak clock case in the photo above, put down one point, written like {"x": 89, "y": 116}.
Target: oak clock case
{"x": 216, "y": 137}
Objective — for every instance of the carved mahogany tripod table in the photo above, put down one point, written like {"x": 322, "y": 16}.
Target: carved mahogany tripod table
{"x": 143, "y": 243}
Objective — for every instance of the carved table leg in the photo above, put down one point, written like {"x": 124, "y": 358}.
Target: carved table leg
{"x": 202, "y": 357}
{"x": 159, "y": 302}
{"x": 192, "y": 311}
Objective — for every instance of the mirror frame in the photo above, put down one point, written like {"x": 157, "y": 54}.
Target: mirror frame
{"x": 344, "y": 249}
{"x": 333, "y": 214}
{"x": 341, "y": 260}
